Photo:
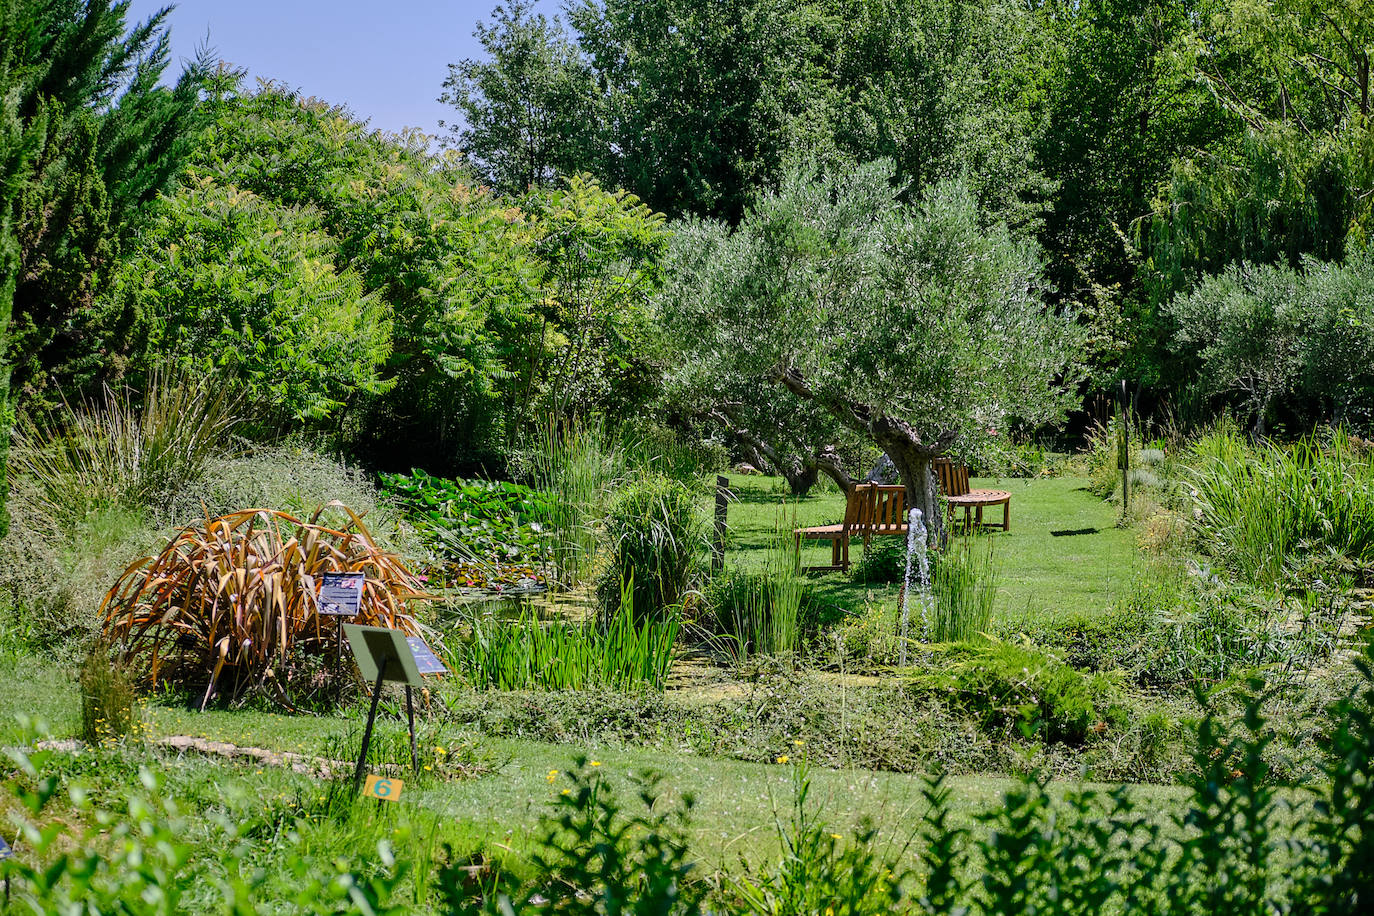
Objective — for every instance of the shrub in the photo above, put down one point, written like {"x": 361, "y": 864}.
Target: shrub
{"x": 881, "y": 563}
{"x": 657, "y": 538}
{"x": 238, "y": 592}
{"x": 1007, "y": 683}
{"x": 108, "y": 703}
{"x": 593, "y": 858}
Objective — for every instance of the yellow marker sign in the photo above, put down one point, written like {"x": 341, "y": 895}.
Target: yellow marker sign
{"x": 381, "y": 787}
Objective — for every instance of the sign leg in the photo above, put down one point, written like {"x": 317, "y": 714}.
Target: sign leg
{"x": 367, "y": 732}
{"x": 410, "y": 720}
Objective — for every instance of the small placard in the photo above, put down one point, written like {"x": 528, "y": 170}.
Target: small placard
{"x": 5, "y": 851}
{"x": 379, "y": 650}
{"x": 425, "y": 659}
{"x": 382, "y": 787}
{"x": 341, "y": 594}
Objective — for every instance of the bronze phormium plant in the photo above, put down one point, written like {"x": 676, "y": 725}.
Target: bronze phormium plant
{"x": 230, "y": 602}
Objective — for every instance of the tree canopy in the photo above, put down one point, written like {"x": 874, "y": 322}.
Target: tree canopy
{"x": 915, "y": 325}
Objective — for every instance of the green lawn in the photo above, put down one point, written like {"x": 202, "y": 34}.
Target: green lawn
{"x": 1064, "y": 553}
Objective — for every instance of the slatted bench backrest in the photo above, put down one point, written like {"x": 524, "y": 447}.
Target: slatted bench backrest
{"x": 953, "y": 477}
{"x": 889, "y": 510}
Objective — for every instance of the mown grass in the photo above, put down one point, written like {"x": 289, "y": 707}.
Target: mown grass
{"x": 1063, "y": 554}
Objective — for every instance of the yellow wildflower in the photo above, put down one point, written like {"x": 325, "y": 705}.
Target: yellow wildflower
{"x": 553, "y": 774}
{"x": 783, "y": 758}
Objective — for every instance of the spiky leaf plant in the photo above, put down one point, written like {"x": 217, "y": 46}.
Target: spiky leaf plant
{"x": 229, "y": 602}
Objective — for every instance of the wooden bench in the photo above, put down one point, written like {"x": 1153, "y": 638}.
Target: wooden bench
{"x": 858, "y": 510}
{"x": 954, "y": 484}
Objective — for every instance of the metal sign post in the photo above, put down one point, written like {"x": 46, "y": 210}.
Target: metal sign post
{"x": 389, "y": 655}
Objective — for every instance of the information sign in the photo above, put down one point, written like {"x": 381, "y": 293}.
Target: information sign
{"x": 382, "y": 787}
{"x": 425, "y": 659}
{"x": 383, "y": 654}
{"x": 341, "y": 594}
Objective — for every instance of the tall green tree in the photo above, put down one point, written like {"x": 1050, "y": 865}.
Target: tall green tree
{"x": 87, "y": 140}
{"x": 529, "y": 111}
{"x": 916, "y": 326}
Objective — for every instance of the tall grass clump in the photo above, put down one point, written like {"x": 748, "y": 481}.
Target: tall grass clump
{"x": 578, "y": 465}
{"x": 964, "y": 583}
{"x": 529, "y": 654}
{"x": 1259, "y": 507}
{"x": 109, "y": 705}
{"x": 657, "y": 537}
{"x": 759, "y": 612}
{"x": 124, "y": 449}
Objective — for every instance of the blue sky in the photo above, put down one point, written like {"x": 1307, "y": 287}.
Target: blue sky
{"x": 386, "y": 61}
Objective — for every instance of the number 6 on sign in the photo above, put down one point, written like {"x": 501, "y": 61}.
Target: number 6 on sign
{"x": 381, "y": 787}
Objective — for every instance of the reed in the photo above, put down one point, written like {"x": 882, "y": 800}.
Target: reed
{"x": 579, "y": 466}
{"x": 964, "y": 582}
{"x": 1260, "y": 507}
{"x": 530, "y": 654}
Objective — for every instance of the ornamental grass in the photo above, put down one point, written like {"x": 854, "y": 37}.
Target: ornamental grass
{"x": 232, "y": 602}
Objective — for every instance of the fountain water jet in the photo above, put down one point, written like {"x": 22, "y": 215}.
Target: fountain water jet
{"x": 915, "y": 549}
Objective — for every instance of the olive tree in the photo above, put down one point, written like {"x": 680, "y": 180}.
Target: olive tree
{"x": 914, "y": 325}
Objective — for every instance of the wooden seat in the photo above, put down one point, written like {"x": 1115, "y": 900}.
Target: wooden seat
{"x": 888, "y": 515}
{"x": 954, "y": 484}
{"x": 858, "y": 510}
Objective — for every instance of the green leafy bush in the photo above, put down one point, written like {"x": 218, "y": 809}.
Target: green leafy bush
{"x": 593, "y": 858}
{"x": 1008, "y": 683}
{"x": 657, "y": 538}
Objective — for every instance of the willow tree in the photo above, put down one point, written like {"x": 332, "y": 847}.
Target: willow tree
{"x": 914, "y": 325}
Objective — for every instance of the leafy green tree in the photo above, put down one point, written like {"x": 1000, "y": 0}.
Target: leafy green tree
{"x": 1293, "y": 78}
{"x": 600, "y": 254}
{"x": 87, "y": 140}
{"x": 448, "y": 262}
{"x": 530, "y": 110}
{"x": 1121, "y": 105}
{"x": 915, "y": 326}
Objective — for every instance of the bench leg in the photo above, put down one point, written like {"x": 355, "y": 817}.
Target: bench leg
{"x": 1006, "y": 515}
{"x": 844, "y": 562}
{"x": 978, "y": 517}
{"x": 835, "y": 552}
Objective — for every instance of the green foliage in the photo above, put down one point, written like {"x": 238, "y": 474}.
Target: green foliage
{"x": 87, "y": 139}
{"x": 593, "y": 858}
{"x": 623, "y": 653}
{"x": 109, "y": 704}
{"x": 963, "y": 582}
{"x": 1260, "y": 508}
{"x": 657, "y": 539}
{"x": 600, "y": 253}
{"x": 232, "y": 283}
{"x": 1009, "y": 683}
{"x": 466, "y": 519}
{"x": 1270, "y": 334}
{"x": 529, "y": 111}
